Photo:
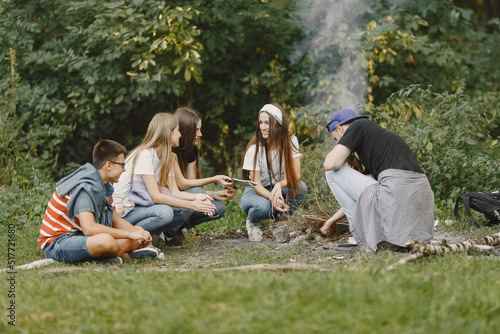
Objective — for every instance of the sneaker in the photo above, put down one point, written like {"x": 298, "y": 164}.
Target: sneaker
{"x": 351, "y": 242}
{"x": 148, "y": 251}
{"x": 254, "y": 232}
{"x": 175, "y": 240}
{"x": 158, "y": 240}
{"x": 114, "y": 261}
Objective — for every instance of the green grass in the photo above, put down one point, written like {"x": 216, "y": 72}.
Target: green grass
{"x": 187, "y": 292}
{"x": 451, "y": 294}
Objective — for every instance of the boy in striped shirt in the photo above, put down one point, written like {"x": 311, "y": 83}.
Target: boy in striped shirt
{"x": 80, "y": 223}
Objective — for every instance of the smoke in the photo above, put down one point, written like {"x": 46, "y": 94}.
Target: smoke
{"x": 332, "y": 45}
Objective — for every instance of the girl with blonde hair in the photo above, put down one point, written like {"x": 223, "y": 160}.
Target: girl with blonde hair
{"x": 146, "y": 193}
{"x": 272, "y": 160}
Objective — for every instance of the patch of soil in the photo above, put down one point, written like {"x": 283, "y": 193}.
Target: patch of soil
{"x": 310, "y": 227}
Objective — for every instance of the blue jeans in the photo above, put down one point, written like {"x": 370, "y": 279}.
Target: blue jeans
{"x": 157, "y": 218}
{"x": 69, "y": 247}
{"x": 258, "y": 208}
{"x": 195, "y": 217}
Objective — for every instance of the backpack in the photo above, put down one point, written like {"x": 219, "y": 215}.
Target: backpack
{"x": 488, "y": 203}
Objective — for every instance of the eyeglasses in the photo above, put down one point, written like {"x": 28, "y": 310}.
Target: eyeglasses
{"x": 119, "y": 163}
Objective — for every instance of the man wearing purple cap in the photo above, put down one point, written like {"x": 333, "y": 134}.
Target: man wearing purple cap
{"x": 392, "y": 201}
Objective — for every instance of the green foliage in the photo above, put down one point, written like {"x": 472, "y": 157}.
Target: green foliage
{"x": 451, "y": 137}
{"x": 26, "y": 139}
{"x": 387, "y": 46}
{"x": 432, "y": 42}
{"x": 320, "y": 199}
{"x": 90, "y": 63}
{"x": 23, "y": 208}
{"x": 102, "y": 69}
{"x": 246, "y": 64}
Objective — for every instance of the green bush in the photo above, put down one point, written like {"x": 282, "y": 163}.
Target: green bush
{"x": 100, "y": 69}
{"x": 27, "y": 139}
{"x": 319, "y": 200}
{"x": 451, "y": 135}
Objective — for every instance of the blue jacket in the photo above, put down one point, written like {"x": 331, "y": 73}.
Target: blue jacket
{"x": 87, "y": 179}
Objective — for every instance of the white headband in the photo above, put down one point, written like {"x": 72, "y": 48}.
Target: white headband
{"x": 274, "y": 111}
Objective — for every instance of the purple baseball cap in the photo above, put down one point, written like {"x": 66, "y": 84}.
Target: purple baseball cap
{"x": 341, "y": 117}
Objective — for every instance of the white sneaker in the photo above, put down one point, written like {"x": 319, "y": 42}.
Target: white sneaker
{"x": 161, "y": 255}
{"x": 254, "y": 232}
{"x": 148, "y": 251}
{"x": 351, "y": 242}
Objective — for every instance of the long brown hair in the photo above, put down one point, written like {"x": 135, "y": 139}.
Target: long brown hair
{"x": 158, "y": 135}
{"x": 280, "y": 139}
{"x": 188, "y": 120}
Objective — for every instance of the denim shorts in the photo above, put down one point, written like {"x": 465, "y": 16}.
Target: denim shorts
{"x": 69, "y": 248}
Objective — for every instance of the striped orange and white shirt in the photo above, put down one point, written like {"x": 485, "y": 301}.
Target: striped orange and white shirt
{"x": 56, "y": 220}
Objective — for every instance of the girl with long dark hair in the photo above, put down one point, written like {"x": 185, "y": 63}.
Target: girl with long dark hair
{"x": 187, "y": 167}
{"x": 272, "y": 160}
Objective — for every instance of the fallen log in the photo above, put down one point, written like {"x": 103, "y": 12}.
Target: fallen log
{"x": 470, "y": 245}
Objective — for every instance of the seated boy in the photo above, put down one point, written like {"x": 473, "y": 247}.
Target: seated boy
{"x": 80, "y": 223}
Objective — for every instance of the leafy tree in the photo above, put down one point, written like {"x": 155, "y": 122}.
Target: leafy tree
{"x": 432, "y": 42}
{"x": 22, "y": 136}
{"x": 374, "y": 56}
{"x": 93, "y": 64}
{"x": 246, "y": 64}
{"x": 99, "y": 69}
{"x": 381, "y": 47}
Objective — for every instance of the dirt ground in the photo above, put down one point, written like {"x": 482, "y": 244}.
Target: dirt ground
{"x": 308, "y": 250}
{"x": 240, "y": 240}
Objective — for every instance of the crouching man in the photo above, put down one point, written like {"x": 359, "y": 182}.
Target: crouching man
{"x": 80, "y": 223}
{"x": 395, "y": 203}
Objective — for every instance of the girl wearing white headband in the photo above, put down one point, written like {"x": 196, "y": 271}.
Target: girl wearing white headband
{"x": 272, "y": 160}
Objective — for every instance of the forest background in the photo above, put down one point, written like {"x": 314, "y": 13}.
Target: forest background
{"x": 74, "y": 72}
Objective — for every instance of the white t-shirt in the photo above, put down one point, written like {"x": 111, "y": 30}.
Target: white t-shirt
{"x": 261, "y": 165}
{"x": 147, "y": 163}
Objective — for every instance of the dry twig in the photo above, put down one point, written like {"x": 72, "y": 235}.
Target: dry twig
{"x": 420, "y": 250}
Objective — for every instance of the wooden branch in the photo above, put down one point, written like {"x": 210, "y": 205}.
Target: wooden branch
{"x": 32, "y": 265}
{"x": 473, "y": 245}
{"x": 405, "y": 260}
{"x": 317, "y": 218}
